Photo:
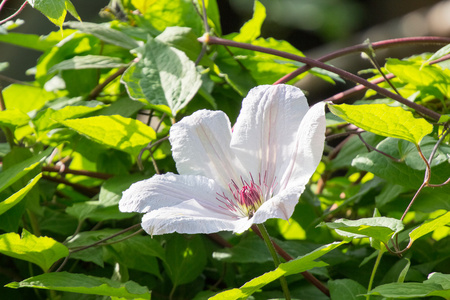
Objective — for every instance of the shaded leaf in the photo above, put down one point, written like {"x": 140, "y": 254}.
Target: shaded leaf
{"x": 346, "y": 289}
{"x": 295, "y": 266}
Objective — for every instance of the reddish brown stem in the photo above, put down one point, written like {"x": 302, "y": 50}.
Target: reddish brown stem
{"x": 315, "y": 63}
{"x": 76, "y": 172}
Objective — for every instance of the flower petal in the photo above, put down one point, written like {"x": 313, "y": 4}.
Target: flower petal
{"x": 190, "y": 217}
{"x": 264, "y": 132}
{"x": 201, "y": 146}
{"x": 280, "y": 206}
{"x": 169, "y": 190}
{"x": 308, "y": 149}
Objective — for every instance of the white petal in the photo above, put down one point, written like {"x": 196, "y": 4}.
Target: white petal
{"x": 264, "y": 132}
{"x": 201, "y": 146}
{"x": 190, "y": 217}
{"x": 308, "y": 150}
{"x": 169, "y": 190}
{"x": 280, "y": 206}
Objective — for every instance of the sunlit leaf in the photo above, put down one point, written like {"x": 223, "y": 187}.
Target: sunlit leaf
{"x": 13, "y": 117}
{"x": 384, "y": 120}
{"x": 121, "y": 133}
{"x": 43, "y": 251}
{"x": 429, "y": 226}
{"x": 18, "y": 196}
{"x": 84, "y": 284}
{"x": 380, "y": 228}
{"x": 55, "y": 10}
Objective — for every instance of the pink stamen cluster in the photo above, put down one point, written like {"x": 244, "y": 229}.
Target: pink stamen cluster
{"x": 247, "y": 198}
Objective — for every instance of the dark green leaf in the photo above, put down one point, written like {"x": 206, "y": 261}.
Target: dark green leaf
{"x": 346, "y": 289}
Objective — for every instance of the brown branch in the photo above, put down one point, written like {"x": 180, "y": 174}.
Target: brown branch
{"x": 87, "y": 191}
{"x": 96, "y": 91}
{"x": 62, "y": 170}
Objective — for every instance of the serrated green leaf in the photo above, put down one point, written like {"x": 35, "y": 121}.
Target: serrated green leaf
{"x": 295, "y": 266}
{"x": 88, "y": 62}
{"x": 105, "y": 33}
{"x": 13, "y": 117}
{"x": 384, "y": 120}
{"x": 83, "y": 284}
{"x": 380, "y": 228}
{"x": 346, "y": 289}
{"x": 43, "y": 251}
{"x": 14, "y": 173}
{"x": 163, "y": 76}
{"x": 121, "y": 133}
{"x": 18, "y": 196}
{"x": 55, "y": 10}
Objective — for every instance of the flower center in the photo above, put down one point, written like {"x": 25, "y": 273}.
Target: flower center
{"x": 246, "y": 197}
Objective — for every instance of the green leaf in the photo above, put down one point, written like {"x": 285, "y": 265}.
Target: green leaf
{"x": 252, "y": 28}
{"x": 14, "y": 173}
{"x": 295, "y": 266}
{"x": 105, "y": 33}
{"x": 50, "y": 118}
{"x": 83, "y": 284}
{"x": 31, "y": 41}
{"x": 13, "y": 117}
{"x": 111, "y": 191}
{"x": 429, "y": 226}
{"x": 55, "y": 10}
{"x": 428, "y": 79}
{"x": 124, "y": 107}
{"x": 250, "y": 250}
{"x": 43, "y": 251}
{"x": 384, "y": 120}
{"x": 380, "y": 228}
{"x": 121, "y": 133}
{"x": 399, "y": 172}
{"x": 410, "y": 290}
{"x": 439, "y": 278}
{"x": 440, "y": 53}
{"x": 346, "y": 289}
{"x": 185, "y": 258}
{"x": 88, "y": 62}
{"x": 26, "y": 98}
{"x": 128, "y": 252}
{"x": 18, "y": 196}
{"x": 162, "y": 76}
{"x": 162, "y": 14}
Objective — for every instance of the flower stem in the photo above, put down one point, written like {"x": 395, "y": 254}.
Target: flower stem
{"x": 375, "y": 267}
{"x": 275, "y": 258}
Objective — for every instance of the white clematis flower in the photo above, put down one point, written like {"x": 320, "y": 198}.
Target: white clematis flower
{"x": 231, "y": 179}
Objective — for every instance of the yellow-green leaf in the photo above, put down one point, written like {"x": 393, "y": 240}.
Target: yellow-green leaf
{"x": 121, "y": 133}
{"x": 17, "y": 197}
{"x": 384, "y": 120}
{"x": 43, "y": 251}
